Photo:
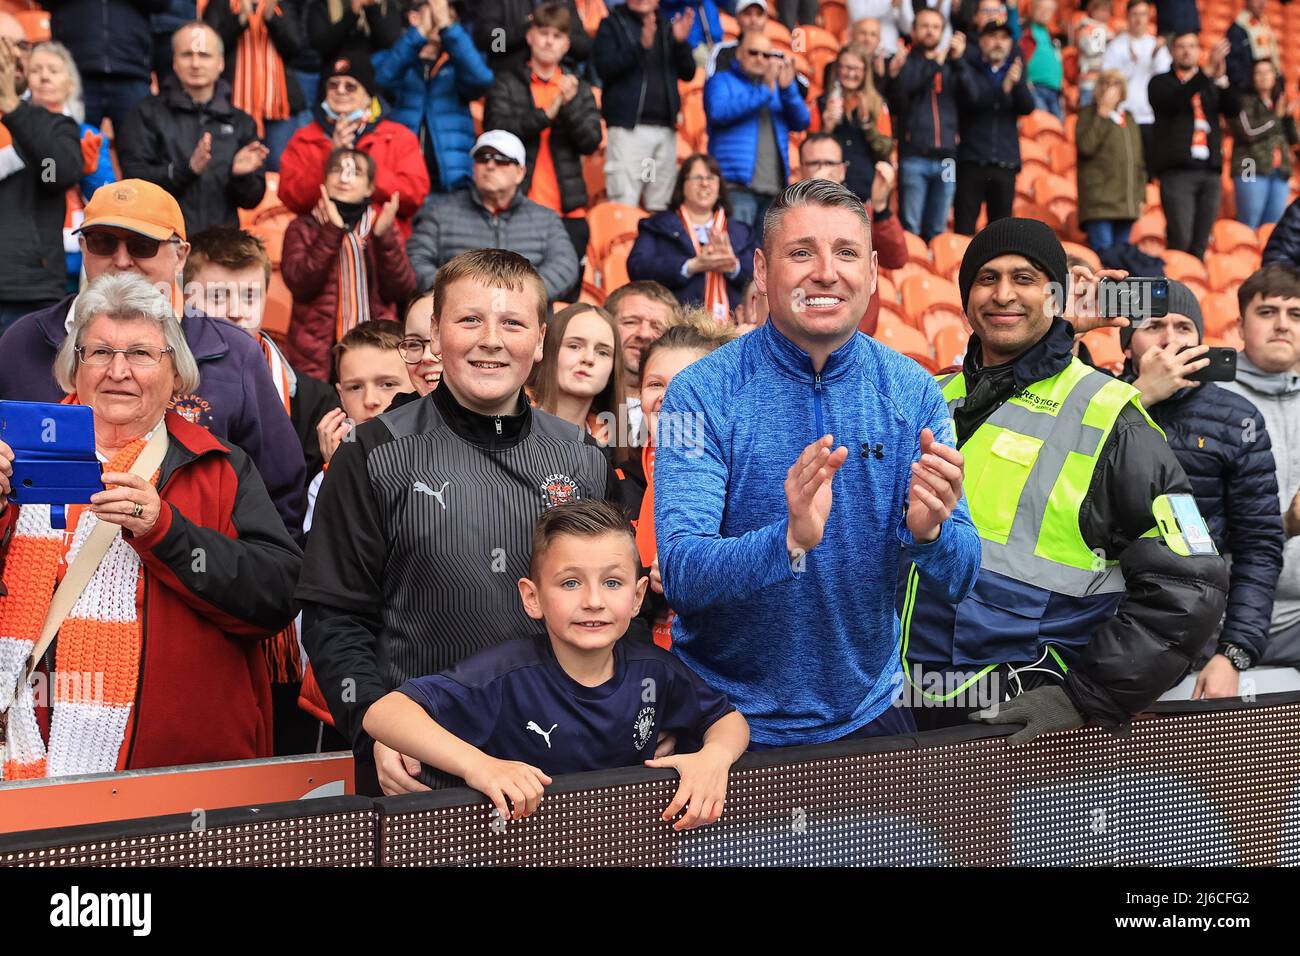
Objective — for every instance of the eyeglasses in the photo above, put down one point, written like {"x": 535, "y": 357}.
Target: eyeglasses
{"x": 105, "y": 244}
{"x": 141, "y": 356}
{"x": 342, "y": 86}
{"x": 710, "y": 178}
{"x": 412, "y": 349}
{"x": 482, "y": 159}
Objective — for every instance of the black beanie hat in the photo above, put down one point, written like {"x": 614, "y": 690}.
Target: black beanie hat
{"x": 1023, "y": 237}
{"x": 358, "y": 68}
{"x": 1182, "y": 301}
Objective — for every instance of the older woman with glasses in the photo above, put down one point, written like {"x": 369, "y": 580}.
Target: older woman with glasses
{"x": 694, "y": 247}
{"x": 158, "y": 662}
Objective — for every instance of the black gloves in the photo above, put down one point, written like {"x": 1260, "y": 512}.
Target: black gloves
{"x": 1041, "y": 710}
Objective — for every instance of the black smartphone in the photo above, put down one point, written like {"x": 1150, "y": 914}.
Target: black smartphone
{"x": 1222, "y": 367}
{"x": 1136, "y": 298}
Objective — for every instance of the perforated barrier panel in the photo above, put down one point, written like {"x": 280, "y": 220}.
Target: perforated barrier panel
{"x": 1196, "y": 784}
{"x": 335, "y": 831}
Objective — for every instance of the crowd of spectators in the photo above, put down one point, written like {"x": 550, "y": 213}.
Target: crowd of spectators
{"x": 395, "y": 483}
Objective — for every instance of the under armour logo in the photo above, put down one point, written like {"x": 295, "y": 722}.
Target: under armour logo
{"x": 421, "y": 486}
{"x": 532, "y": 725}
{"x": 868, "y": 450}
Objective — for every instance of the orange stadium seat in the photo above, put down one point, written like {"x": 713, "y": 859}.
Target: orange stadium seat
{"x": 917, "y": 250}
{"x": 613, "y": 267}
{"x": 936, "y": 320}
{"x": 694, "y": 123}
{"x": 779, "y": 34}
{"x": 950, "y": 344}
{"x": 900, "y": 337}
{"x": 834, "y": 16}
{"x": 610, "y": 222}
{"x": 921, "y": 293}
{"x": 1103, "y": 344}
{"x": 1051, "y": 187}
{"x": 730, "y": 27}
{"x": 1232, "y": 269}
{"x": 1182, "y": 265}
{"x": 948, "y": 248}
{"x": 270, "y": 200}
{"x": 1032, "y": 149}
{"x": 926, "y": 361}
{"x": 1040, "y": 123}
{"x": 1219, "y": 310}
{"x": 808, "y": 37}
{"x": 906, "y": 270}
{"x": 1064, "y": 156}
{"x": 593, "y": 174}
{"x": 1228, "y": 235}
{"x": 886, "y": 289}
{"x": 36, "y": 25}
{"x": 1030, "y": 173}
{"x": 279, "y": 307}
{"x": 1148, "y": 233}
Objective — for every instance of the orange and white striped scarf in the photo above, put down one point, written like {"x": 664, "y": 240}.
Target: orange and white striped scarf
{"x": 354, "y": 289}
{"x": 281, "y": 374}
{"x": 647, "y": 544}
{"x": 715, "y": 283}
{"x": 97, "y": 655}
{"x": 260, "y": 88}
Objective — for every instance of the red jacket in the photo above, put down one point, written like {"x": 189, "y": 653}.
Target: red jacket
{"x": 310, "y": 267}
{"x": 219, "y": 573}
{"x": 399, "y": 167}
{"x": 890, "y": 243}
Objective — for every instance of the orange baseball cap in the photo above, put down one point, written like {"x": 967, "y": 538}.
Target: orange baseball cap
{"x": 137, "y": 205}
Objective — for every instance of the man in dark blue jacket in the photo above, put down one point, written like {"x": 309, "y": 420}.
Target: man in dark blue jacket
{"x": 1284, "y": 242}
{"x": 112, "y": 44}
{"x": 1234, "y": 481}
{"x": 991, "y": 93}
{"x": 136, "y": 226}
{"x": 640, "y": 55}
{"x": 924, "y": 103}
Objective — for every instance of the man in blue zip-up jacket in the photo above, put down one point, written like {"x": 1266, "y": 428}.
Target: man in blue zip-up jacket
{"x": 783, "y": 577}
{"x": 752, "y": 109}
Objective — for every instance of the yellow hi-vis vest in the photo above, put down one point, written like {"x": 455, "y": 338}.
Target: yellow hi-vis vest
{"x": 1028, "y": 470}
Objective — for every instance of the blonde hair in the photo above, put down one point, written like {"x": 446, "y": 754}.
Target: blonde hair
{"x": 1107, "y": 79}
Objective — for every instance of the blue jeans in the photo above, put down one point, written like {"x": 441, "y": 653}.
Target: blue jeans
{"x": 1262, "y": 200}
{"x": 112, "y": 96}
{"x": 927, "y": 187}
{"x": 748, "y": 207}
{"x": 1046, "y": 98}
{"x": 1104, "y": 233}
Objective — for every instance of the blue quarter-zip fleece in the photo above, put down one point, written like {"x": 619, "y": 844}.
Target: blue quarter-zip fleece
{"x": 811, "y": 656}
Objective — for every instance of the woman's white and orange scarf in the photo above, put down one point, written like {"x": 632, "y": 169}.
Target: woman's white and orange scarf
{"x": 97, "y": 654}
{"x": 715, "y": 283}
{"x": 354, "y": 295}
{"x": 260, "y": 88}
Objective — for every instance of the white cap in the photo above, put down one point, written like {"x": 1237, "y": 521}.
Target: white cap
{"x": 504, "y": 142}
{"x": 743, "y": 4}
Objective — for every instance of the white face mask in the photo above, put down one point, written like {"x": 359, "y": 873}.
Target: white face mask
{"x": 359, "y": 113}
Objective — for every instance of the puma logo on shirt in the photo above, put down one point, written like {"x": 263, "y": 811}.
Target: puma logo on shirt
{"x": 421, "y": 486}
{"x": 532, "y": 725}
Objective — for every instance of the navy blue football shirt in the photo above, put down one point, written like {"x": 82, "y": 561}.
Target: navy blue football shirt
{"x": 514, "y": 702}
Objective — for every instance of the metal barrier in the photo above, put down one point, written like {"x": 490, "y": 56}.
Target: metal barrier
{"x": 1213, "y": 783}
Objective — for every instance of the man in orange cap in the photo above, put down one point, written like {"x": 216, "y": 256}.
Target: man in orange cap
{"x": 134, "y": 226}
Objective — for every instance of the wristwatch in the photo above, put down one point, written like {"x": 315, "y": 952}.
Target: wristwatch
{"x": 1238, "y": 657}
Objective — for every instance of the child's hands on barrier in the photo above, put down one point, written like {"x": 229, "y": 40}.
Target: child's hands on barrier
{"x": 703, "y": 787}
{"x": 520, "y": 783}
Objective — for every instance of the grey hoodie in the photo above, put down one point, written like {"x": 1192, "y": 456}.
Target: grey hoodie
{"x": 1278, "y": 399}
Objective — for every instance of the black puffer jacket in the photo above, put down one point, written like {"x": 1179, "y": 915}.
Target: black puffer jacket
{"x": 159, "y": 137}
{"x": 1235, "y": 485}
{"x": 575, "y": 131}
{"x": 33, "y": 202}
{"x": 108, "y": 37}
{"x": 1171, "y": 604}
{"x": 620, "y": 61}
{"x": 1284, "y": 243}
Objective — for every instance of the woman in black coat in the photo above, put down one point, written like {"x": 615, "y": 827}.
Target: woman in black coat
{"x": 694, "y": 247}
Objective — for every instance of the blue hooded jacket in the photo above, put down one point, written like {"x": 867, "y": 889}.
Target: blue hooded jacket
{"x": 733, "y": 102}
{"x": 442, "y": 102}
{"x": 811, "y": 656}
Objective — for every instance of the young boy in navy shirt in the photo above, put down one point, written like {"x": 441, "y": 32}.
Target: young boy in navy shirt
{"x": 509, "y": 717}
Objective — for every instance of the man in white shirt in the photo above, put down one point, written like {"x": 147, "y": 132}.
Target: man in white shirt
{"x": 1139, "y": 54}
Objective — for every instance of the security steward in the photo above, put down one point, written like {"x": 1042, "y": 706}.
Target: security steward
{"x": 1090, "y": 602}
